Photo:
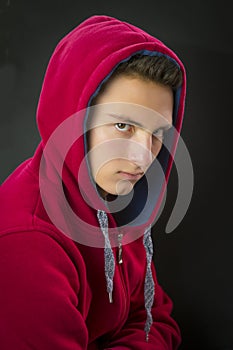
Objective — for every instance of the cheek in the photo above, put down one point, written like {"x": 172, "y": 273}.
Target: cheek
{"x": 156, "y": 147}
{"x": 98, "y": 135}
{"x": 102, "y": 172}
{"x": 93, "y": 139}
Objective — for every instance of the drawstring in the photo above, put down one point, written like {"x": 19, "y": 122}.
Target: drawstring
{"x": 109, "y": 266}
{"x": 109, "y": 261}
{"x": 149, "y": 286}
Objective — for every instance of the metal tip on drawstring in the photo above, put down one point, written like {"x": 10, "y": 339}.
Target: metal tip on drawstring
{"x": 147, "y": 337}
{"x": 110, "y": 297}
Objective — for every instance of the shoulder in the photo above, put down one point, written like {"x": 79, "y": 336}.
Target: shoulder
{"x": 34, "y": 262}
{"x": 41, "y": 248}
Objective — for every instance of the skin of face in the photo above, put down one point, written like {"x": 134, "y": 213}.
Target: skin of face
{"x": 140, "y": 140}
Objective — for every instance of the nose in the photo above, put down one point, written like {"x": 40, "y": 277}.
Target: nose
{"x": 140, "y": 150}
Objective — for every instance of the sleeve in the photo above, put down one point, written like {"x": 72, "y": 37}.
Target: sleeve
{"x": 164, "y": 332}
{"x": 39, "y": 295}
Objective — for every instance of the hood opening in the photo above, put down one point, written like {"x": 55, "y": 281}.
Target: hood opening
{"x": 145, "y": 198}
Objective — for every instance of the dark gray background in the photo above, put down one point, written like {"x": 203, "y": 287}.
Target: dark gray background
{"x": 194, "y": 263}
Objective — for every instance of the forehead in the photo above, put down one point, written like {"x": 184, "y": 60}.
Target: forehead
{"x": 131, "y": 113}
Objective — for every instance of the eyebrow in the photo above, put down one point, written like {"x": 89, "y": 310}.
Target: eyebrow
{"x": 127, "y": 120}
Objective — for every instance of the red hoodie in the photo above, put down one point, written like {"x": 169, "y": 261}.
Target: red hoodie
{"x": 53, "y": 258}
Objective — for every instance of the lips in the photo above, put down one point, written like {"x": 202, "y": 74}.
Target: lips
{"x": 130, "y": 176}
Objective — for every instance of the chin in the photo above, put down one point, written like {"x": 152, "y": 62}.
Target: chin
{"x": 123, "y": 188}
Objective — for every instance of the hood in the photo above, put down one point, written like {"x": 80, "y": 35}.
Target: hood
{"x": 81, "y": 62}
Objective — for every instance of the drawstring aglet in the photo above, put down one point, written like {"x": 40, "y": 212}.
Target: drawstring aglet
{"x": 120, "y": 260}
{"x": 110, "y": 297}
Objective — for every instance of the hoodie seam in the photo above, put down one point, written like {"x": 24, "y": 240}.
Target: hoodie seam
{"x": 125, "y": 291}
{"x": 49, "y": 233}
{"x": 135, "y": 31}
{"x": 35, "y": 208}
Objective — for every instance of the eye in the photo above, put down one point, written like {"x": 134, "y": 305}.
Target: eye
{"x": 123, "y": 126}
{"x": 159, "y": 134}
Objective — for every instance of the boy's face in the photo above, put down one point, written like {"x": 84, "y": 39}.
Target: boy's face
{"x": 123, "y": 144}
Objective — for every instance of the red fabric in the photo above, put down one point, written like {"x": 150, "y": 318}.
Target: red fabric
{"x": 53, "y": 289}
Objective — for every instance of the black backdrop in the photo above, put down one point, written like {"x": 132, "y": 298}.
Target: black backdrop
{"x": 194, "y": 263}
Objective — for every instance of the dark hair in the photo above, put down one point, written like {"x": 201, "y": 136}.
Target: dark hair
{"x": 158, "y": 69}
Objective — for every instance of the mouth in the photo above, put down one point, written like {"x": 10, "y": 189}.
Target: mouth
{"x": 130, "y": 176}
